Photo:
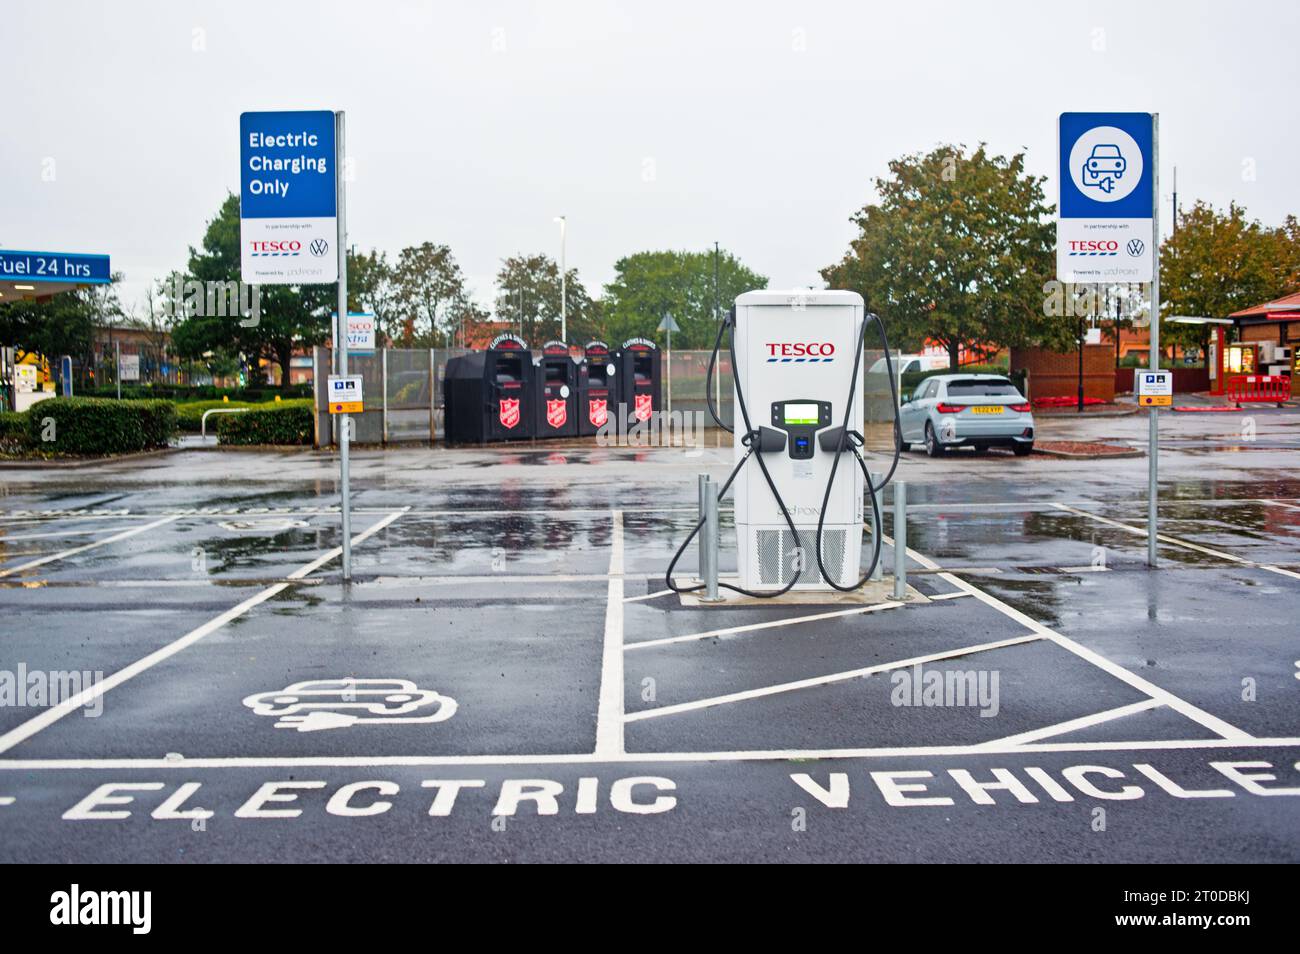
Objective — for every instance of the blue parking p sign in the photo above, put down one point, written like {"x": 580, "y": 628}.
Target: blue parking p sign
{"x": 1104, "y": 219}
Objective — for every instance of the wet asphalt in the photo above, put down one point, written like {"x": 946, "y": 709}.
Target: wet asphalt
{"x": 506, "y": 578}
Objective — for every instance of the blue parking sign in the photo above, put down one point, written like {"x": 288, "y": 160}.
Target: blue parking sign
{"x": 1106, "y": 173}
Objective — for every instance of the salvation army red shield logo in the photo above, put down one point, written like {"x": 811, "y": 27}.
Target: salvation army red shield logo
{"x": 642, "y": 410}
{"x": 557, "y": 412}
{"x": 597, "y": 413}
{"x": 509, "y": 413}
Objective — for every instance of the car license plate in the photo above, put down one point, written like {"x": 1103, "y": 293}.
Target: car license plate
{"x": 987, "y": 409}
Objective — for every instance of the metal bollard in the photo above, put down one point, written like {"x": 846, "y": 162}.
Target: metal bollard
{"x": 900, "y": 540}
{"x": 709, "y": 543}
{"x": 878, "y": 573}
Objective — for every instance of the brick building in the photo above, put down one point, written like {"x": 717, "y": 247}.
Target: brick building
{"x": 1056, "y": 373}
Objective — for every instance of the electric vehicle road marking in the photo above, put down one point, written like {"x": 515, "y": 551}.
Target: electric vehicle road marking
{"x": 1083, "y": 722}
{"x": 824, "y": 680}
{"x": 51, "y": 715}
{"x": 1176, "y": 542}
{"x": 1183, "y": 707}
{"x": 63, "y": 554}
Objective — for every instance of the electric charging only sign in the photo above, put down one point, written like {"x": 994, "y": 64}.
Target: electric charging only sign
{"x": 1104, "y": 218}
{"x": 288, "y": 222}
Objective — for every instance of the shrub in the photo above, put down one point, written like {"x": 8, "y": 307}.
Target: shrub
{"x": 13, "y": 429}
{"x": 286, "y": 423}
{"x": 101, "y": 426}
{"x": 190, "y": 415}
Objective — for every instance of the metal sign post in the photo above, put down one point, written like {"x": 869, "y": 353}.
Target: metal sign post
{"x": 341, "y": 342}
{"x": 1153, "y": 429}
{"x": 117, "y": 367}
{"x": 1108, "y": 225}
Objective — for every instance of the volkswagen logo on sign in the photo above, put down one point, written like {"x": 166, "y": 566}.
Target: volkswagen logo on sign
{"x": 1135, "y": 247}
{"x": 319, "y": 247}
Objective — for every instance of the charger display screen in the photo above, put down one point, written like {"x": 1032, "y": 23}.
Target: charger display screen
{"x": 801, "y": 414}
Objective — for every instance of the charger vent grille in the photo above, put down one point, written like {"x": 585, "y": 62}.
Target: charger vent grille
{"x": 780, "y": 558}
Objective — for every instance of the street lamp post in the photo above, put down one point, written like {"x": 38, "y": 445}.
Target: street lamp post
{"x": 564, "y": 297}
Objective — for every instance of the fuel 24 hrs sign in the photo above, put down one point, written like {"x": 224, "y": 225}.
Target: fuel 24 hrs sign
{"x": 1104, "y": 219}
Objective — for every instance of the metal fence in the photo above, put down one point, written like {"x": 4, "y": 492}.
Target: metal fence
{"x": 403, "y": 393}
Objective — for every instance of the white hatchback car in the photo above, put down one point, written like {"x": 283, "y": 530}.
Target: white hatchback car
{"x": 972, "y": 410}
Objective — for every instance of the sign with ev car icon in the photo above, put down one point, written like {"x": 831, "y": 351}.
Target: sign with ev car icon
{"x": 1103, "y": 226}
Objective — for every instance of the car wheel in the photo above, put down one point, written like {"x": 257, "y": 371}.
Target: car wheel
{"x": 932, "y": 445}
{"x": 1022, "y": 450}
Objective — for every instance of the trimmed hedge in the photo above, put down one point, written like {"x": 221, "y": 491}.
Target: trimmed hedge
{"x": 205, "y": 392}
{"x": 13, "y": 425}
{"x": 13, "y": 432}
{"x": 283, "y": 424}
{"x": 190, "y": 416}
{"x": 100, "y": 426}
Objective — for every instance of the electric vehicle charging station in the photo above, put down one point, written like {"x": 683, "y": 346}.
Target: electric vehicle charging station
{"x": 794, "y": 354}
{"x": 799, "y": 398}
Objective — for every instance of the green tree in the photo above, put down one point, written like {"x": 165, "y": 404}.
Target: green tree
{"x": 1220, "y": 262}
{"x": 372, "y": 289}
{"x": 429, "y": 294}
{"x": 648, "y": 285}
{"x": 528, "y": 294}
{"x": 958, "y": 251}
{"x": 290, "y": 316}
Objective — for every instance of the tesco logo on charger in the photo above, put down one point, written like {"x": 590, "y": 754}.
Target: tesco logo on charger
{"x": 800, "y": 351}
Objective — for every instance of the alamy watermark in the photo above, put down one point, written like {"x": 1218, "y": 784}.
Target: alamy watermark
{"x": 191, "y": 298}
{"x": 657, "y": 429}
{"x": 947, "y": 688}
{"x": 41, "y": 688}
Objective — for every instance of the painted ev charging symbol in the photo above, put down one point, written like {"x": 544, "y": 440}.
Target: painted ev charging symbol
{"x": 339, "y": 703}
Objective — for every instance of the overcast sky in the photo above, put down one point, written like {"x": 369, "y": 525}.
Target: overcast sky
{"x": 650, "y": 125}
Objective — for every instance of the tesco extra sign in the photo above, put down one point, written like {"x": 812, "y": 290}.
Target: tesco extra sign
{"x": 800, "y": 349}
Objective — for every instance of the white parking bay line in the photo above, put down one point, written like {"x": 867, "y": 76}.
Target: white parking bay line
{"x": 62, "y": 554}
{"x": 51, "y": 715}
{"x": 1083, "y": 722}
{"x": 609, "y": 714}
{"x": 1182, "y": 706}
{"x": 1176, "y": 542}
{"x": 57, "y": 534}
{"x": 751, "y": 627}
{"x": 826, "y": 680}
{"x": 647, "y": 596}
